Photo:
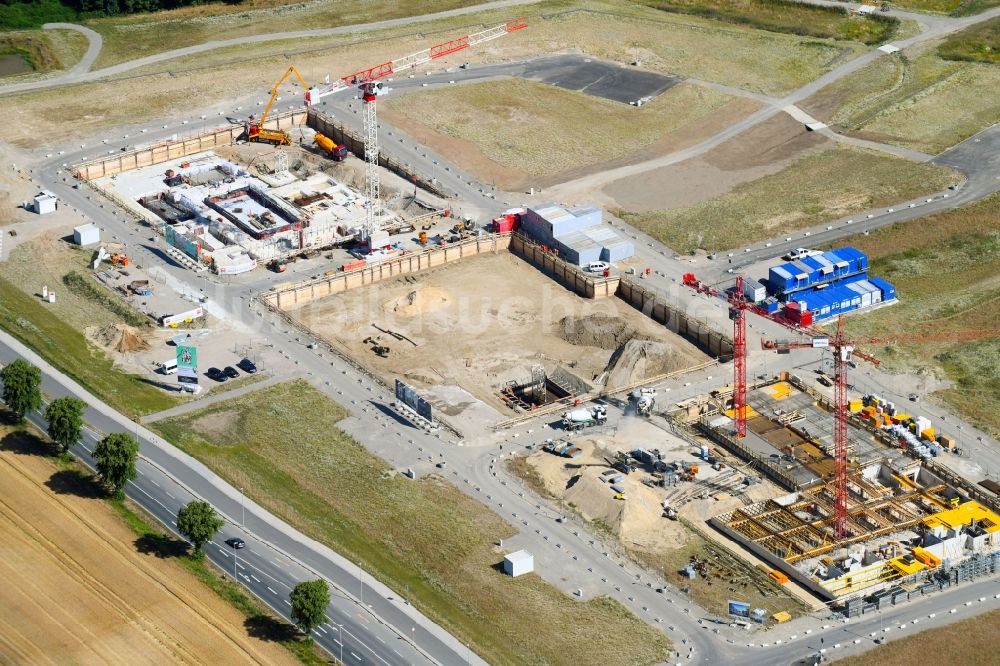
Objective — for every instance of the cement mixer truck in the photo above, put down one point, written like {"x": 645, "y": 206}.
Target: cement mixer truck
{"x": 581, "y": 418}
{"x": 336, "y": 151}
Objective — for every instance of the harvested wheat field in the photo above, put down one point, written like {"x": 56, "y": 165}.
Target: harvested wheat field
{"x": 486, "y": 320}
{"x": 77, "y": 591}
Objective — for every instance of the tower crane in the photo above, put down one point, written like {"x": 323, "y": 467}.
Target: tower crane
{"x": 367, "y": 80}
{"x": 844, "y": 351}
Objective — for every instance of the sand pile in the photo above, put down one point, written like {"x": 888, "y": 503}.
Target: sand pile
{"x": 419, "y": 302}
{"x": 595, "y": 500}
{"x": 637, "y": 360}
{"x": 595, "y": 330}
{"x": 122, "y": 338}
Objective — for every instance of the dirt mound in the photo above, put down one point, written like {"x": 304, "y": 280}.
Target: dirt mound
{"x": 121, "y": 338}
{"x": 420, "y": 301}
{"x": 595, "y": 330}
{"x": 637, "y": 360}
{"x": 595, "y": 500}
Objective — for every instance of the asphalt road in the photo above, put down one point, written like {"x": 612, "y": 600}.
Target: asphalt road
{"x": 276, "y": 557}
{"x": 584, "y": 561}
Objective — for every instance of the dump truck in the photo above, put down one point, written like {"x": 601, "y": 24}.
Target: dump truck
{"x": 335, "y": 151}
{"x": 561, "y": 447}
{"x": 140, "y": 288}
{"x": 578, "y": 419}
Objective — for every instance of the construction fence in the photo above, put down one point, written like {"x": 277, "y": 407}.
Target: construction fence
{"x": 656, "y": 307}
{"x": 176, "y": 148}
{"x": 287, "y": 296}
{"x": 337, "y": 132}
{"x": 567, "y": 274}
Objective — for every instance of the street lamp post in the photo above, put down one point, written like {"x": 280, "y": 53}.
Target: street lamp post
{"x": 340, "y": 631}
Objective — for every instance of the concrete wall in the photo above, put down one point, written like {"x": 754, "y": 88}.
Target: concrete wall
{"x": 290, "y": 296}
{"x": 562, "y": 271}
{"x": 697, "y": 331}
{"x": 181, "y": 147}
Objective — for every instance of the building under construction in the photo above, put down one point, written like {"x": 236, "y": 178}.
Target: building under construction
{"x": 906, "y": 516}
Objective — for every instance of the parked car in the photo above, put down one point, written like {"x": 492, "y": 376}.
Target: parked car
{"x": 236, "y": 543}
{"x": 216, "y": 374}
{"x": 801, "y": 253}
{"x": 598, "y": 266}
{"x": 231, "y": 372}
{"x": 247, "y": 366}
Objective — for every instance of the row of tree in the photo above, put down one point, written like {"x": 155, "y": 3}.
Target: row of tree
{"x": 115, "y": 459}
{"x": 18, "y": 14}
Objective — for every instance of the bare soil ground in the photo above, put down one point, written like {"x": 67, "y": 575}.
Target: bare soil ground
{"x": 78, "y": 591}
{"x": 484, "y": 321}
{"x": 916, "y": 100}
{"x": 816, "y": 187}
{"x": 760, "y": 151}
{"x": 558, "y": 131}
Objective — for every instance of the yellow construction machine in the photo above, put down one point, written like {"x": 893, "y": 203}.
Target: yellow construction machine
{"x": 255, "y": 128}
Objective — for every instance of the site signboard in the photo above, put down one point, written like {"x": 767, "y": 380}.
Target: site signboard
{"x": 408, "y": 396}
{"x": 187, "y": 364}
{"x": 739, "y": 609}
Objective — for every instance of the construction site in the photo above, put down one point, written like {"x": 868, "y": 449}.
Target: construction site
{"x": 563, "y": 356}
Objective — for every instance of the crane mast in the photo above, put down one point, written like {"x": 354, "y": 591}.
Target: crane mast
{"x": 370, "y": 87}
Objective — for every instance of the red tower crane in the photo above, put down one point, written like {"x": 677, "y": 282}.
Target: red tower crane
{"x": 738, "y": 313}
{"x": 843, "y": 351}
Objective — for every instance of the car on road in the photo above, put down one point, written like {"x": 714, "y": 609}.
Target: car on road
{"x": 231, "y": 372}
{"x": 800, "y": 253}
{"x": 217, "y": 375}
{"x": 236, "y": 543}
{"x": 598, "y": 266}
{"x": 247, "y": 366}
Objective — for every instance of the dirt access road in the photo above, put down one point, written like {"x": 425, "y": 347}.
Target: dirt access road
{"x": 77, "y": 589}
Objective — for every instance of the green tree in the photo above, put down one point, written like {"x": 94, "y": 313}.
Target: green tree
{"x": 309, "y": 602}
{"x": 20, "y": 387}
{"x": 65, "y": 417}
{"x": 115, "y": 456}
{"x": 198, "y": 522}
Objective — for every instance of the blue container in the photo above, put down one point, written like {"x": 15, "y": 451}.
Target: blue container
{"x": 888, "y": 291}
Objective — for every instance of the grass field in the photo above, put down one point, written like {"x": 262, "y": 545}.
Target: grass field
{"x": 952, "y": 7}
{"x": 689, "y": 46}
{"x": 558, "y": 129}
{"x": 47, "y": 51}
{"x": 139, "y": 35}
{"x": 729, "y": 578}
{"x": 816, "y": 188}
{"x": 791, "y": 17}
{"x": 971, "y": 642}
{"x": 425, "y": 535}
{"x": 945, "y": 269}
{"x": 979, "y": 43}
{"x": 55, "y": 330}
{"x": 918, "y": 101}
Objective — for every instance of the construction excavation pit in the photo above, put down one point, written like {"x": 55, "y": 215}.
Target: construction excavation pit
{"x": 905, "y": 513}
{"x": 466, "y": 333}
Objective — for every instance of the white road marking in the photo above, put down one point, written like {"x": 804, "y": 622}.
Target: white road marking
{"x": 255, "y": 578}
{"x": 155, "y": 483}
{"x": 240, "y": 565}
{"x": 320, "y": 627}
{"x": 270, "y": 590}
{"x": 380, "y": 640}
{"x": 287, "y": 602}
{"x": 358, "y": 657}
{"x": 170, "y": 496}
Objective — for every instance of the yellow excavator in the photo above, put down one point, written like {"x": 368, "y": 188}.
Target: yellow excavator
{"x": 255, "y": 128}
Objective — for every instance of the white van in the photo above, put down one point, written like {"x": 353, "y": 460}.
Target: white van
{"x": 169, "y": 367}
